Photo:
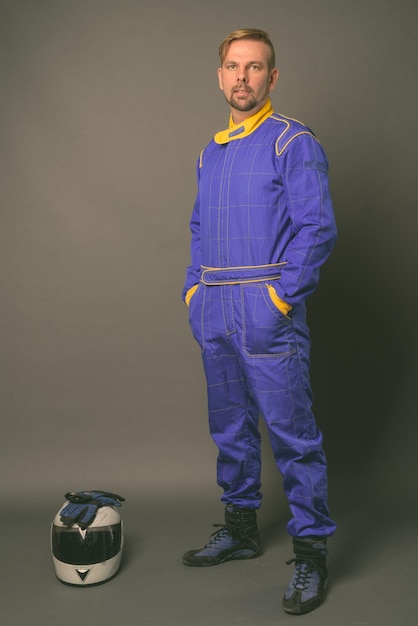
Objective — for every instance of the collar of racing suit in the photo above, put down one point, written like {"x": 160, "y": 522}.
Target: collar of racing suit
{"x": 237, "y": 131}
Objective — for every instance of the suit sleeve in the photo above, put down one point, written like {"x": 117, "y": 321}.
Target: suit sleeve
{"x": 194, "y": 269}
{"x": 304, "y": 171}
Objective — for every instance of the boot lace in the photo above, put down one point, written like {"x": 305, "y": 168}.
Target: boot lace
{"x": 303, "y": 571}
{"x": 217, "y": 536}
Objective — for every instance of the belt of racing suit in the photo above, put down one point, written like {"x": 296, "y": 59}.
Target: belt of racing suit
{"x": 237, "y": 275}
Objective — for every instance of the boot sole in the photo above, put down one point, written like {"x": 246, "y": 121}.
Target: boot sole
{"x": 209, "y": 561}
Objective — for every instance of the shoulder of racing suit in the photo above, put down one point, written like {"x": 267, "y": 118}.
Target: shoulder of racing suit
{"x": 288, "y": 129}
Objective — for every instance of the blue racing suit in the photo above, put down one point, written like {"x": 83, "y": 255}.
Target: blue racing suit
{"x": 262, "y": 225}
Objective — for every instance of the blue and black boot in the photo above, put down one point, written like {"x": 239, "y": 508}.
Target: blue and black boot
{"x": 306, "y": 590}
{"x": 237, "y": 539}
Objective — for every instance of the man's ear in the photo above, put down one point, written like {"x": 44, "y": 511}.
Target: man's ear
{"x": 221, "y": 87}
{"x": 274, "y": 77}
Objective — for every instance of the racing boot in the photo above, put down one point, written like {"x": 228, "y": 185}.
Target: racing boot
{"x": 306, "y": 589}
{"x": 237, "y": 539}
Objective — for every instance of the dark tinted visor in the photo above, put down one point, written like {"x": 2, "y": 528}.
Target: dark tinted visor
{"x": 98, "y": 544}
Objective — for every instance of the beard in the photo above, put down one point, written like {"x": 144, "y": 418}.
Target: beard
{"x": 242, "y": 105}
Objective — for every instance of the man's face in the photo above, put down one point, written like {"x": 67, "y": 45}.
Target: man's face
{"x": 245, "y": 77}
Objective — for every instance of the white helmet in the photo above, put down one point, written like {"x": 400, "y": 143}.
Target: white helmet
{"x": 87, "y": 556}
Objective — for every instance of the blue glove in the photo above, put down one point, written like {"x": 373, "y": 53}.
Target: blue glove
{"x": 83, "y": 506}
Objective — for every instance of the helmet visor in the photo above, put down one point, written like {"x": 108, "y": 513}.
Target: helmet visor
{"x": 95, "y": 545}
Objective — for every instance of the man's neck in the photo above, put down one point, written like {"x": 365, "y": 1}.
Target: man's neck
{"x": 246, "y": 126}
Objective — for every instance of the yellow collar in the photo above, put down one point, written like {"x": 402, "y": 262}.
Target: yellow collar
{"x": 237, "y": 131}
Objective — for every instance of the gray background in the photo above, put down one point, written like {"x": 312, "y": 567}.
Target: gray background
{"x": 104, "y": 107}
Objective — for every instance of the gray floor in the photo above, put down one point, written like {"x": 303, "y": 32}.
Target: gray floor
{"x": 373, "y": 570}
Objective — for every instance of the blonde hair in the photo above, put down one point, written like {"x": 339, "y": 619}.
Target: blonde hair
{"x": 252, "y": 34}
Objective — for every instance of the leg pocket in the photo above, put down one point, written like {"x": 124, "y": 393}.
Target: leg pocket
{"x": 266, "y": 331}
{"x": 280, "y": 304}
{"x": 196, "y": 314}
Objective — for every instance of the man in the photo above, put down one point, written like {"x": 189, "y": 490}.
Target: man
{"x": 262, "y": 226}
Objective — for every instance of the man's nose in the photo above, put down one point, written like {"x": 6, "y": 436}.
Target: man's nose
{"x": 242, "y": 77}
